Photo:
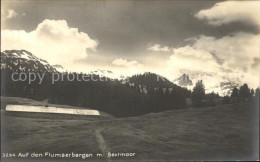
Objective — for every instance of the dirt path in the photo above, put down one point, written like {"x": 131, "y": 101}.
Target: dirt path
{"x": 101, "y": 143}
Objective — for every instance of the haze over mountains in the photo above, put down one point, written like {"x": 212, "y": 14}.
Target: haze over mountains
{"x": 223, "y": 88}
{"x": 22, "y": 60}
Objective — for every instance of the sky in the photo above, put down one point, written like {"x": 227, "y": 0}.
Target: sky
{"x": 211, "y": 40}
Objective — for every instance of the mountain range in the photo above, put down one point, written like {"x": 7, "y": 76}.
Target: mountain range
{"x": 22, "y": 60}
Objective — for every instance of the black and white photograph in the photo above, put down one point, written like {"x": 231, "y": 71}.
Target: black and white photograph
{"x": 130, "y": 80}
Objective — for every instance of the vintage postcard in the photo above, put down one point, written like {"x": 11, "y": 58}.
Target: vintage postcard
{"x": 130, "y": 80}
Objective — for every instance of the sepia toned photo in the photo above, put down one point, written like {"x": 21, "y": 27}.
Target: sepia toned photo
{"x": 130, "y": 80}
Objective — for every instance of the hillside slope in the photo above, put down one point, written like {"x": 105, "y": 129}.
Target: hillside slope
{"x": 225, "y": 132}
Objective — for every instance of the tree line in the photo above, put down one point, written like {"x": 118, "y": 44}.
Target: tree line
{"x": 141, "y": 94}
{"x": 241, "y": 94}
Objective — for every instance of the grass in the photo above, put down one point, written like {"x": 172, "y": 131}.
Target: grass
{"x": 226, "y": 132}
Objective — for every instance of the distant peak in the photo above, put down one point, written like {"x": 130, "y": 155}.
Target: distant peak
{"x": 184, "y": 80}
{"x": 23, "y": 60}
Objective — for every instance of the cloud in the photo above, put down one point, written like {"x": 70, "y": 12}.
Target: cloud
{"x": 159, "y": 48}
{"x": 232, "y": 11}
{"x": 125, "y": 67}
{"x": 188, "y": 58}
{"x": 8, "y": 14}
{"x": 237, "y": 52}
{"x": 126, "y": 63}
{"x": 52, "y": 40}
{"x": 256, "y": 63}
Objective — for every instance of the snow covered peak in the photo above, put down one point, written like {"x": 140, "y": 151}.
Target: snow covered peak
{"x": 184, "y": 81}
{"x": 23, "y": 54}
{"x": 22, "y": 60}
{"x": 224, "y": 88}
{"x": 108, "y": 74}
